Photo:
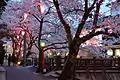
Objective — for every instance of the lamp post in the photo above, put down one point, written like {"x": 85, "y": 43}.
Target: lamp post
{"x": 24, "y": 45}
{"x": 42, "y": 44}
{"x": 41, "y": 7}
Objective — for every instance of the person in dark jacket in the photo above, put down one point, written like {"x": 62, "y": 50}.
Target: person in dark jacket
{"x": 2, "y": 54}
{"x": 9, "y": 59}
{"x": 13, "y": 59}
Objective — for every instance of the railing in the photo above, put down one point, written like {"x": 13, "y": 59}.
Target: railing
{"x": 88, "y": 63}
{"x": 98, "y": 63}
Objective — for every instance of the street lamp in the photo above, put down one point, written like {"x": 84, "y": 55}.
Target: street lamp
{"x": 41, "y": 7}
{"x": 42, "y": 44}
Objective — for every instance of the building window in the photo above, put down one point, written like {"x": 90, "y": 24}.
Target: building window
{"x": 117, "y": 52}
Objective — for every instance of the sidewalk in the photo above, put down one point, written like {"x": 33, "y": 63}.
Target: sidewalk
{"x": 21, "y": 73}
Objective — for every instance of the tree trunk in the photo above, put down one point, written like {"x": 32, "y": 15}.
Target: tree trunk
{"x": 69, "y": 69}
{"x": 29, "y": 52}
{"x": 39, "y": 69}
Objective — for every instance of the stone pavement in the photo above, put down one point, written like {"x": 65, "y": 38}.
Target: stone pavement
{"x": 22, "y": 73}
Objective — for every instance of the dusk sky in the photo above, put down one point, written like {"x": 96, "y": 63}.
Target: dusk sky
{"x": 104, "y": 9}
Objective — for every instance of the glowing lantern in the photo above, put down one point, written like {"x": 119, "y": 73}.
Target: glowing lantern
{"x": 23, "y": 32}
{"x": 19, "y": 43}
{"x": 21, "y": 48}
{"x": 42, "y": 44}
{"x": 78, "y": 56}
{"x": 26, "y": 15}
{"x": 58, "y": 54}
{"x": 67, "y": 54}
{"x": 42, "y": 8}
{"x": 50, "y": 54}
{"x": 18, "y": 62}
{"x": 18, "y": 36}
{"x": 22, "y": 54}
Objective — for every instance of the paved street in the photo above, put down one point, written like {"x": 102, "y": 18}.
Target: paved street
{"x": 21, "y": 73}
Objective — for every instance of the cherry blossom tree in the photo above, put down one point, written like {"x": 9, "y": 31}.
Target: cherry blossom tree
{"x": 3, "y": 30}
{"x": 70, "y": 27}
{"x": 88, "y": 8}
{"x": 3, "y": 3}
{"x": 26, "y": 17}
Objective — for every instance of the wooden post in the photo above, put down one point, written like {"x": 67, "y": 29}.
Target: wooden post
{"x": 118, "y": 62}
{"x": 58, "y": 62}
{"x": 94, "y": 63}
{"x": 53, "y": 63}
{"x": 50, "y": 62}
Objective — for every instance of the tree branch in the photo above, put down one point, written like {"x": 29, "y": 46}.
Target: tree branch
{"x": 97, "y": 12}
{"x": 85, "y": 17}
{"x": 92, "y": 34}
{"x": 66, "y": 26}
{"x": 56, "y": 43}
{"x": 92, "y": 6}
{"x": 86, "y": 5}
{"x": 76, "y": 10}
{"x": 36, "y": 18}
{"x": 63, "y": 47}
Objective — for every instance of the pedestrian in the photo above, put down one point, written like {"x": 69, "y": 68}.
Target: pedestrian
{"x": 13, "y": 59}
{"x": 35, "y": 62}
{"x": 9, "y": 59}
{"x": 2, "y": 54}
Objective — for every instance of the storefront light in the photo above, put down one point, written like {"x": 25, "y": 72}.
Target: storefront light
{"x": 78, "y": 56}
{"x": 110, "y": 52}
{"x": 117, "y": 51}
{"x": 58, "y": 54}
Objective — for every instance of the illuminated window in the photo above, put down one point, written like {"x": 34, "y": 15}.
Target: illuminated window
{"x": 117, "y": 52}
{"x": 110, "y": 52}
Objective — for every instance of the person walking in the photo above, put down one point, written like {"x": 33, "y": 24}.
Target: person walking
{"x": 2, "y": 54}
{"x": 9, "y": 59}
{"x": 13, "y": 59}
